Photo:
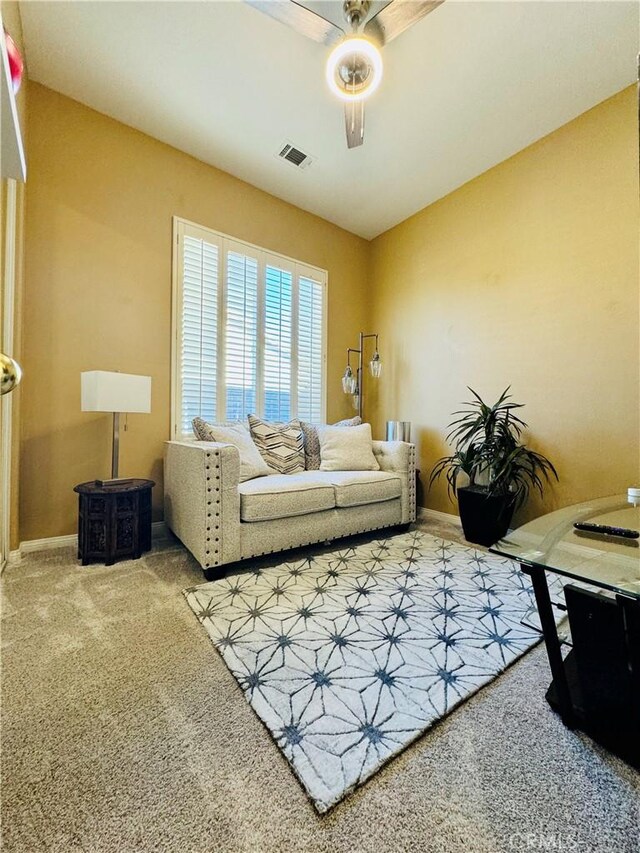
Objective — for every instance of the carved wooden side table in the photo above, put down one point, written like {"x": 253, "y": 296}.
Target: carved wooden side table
{"x": 114, "y": 522}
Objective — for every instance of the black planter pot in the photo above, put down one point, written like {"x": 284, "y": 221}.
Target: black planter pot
{"x": 485, "y": 518}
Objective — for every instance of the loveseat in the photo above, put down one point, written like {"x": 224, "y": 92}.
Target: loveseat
{"x": 222, "y": 520}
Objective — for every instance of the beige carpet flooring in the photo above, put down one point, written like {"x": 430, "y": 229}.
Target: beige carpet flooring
{"x": 122, "y": 730}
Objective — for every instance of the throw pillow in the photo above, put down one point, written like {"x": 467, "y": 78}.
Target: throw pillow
{"x": 251, "y": 463}
{"x": 347, "y": 449}
{"x": 280, "y": 445}
{"x": 202, "y": 429}
{"x": 312, "y": 442}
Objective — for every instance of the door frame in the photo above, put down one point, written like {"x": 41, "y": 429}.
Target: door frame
{"x": 6, "y": 346}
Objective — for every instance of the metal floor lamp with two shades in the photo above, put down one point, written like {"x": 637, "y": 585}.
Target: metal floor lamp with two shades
{"x": 352, "y": 383}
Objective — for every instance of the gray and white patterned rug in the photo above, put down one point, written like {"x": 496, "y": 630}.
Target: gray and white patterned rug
{"x": 349, "y": 656}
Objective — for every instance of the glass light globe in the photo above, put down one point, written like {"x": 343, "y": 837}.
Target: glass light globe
{"x": 375, "y": 365}
{"x": 348, "y": 381}
{"x": 354, "y": 69}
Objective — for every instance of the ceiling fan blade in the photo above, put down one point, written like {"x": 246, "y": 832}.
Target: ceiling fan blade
{"x": 299, "y": 18}
{"x": 396, "y": 17}
{"x": 354, "y": 123}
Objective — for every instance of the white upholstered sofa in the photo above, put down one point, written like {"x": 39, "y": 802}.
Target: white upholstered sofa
{"x": 222, "y": 521}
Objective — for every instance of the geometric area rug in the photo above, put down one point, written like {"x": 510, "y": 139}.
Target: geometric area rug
{"x": 349, "y": 656}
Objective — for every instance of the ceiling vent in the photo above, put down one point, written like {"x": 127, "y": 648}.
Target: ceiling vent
{"x": 294, "y": 156}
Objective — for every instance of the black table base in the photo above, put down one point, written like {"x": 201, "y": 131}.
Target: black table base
{"x": 596, "y": 688}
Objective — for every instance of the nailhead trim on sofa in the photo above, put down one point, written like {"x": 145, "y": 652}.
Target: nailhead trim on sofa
{"x": 215, "y": 455}
{"x": 316, "y": 541}
{"x": 412, "y": 483}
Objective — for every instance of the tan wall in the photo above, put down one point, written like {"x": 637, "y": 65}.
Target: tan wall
{"x": 98, "y": 289}
{"x": 12, "y": 22}
{"x": 527, "y": 275}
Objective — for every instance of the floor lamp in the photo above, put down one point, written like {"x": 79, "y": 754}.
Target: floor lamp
{"x": 353, "y": 384}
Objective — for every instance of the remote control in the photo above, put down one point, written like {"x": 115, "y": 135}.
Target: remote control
{"x": 606, "y": 530}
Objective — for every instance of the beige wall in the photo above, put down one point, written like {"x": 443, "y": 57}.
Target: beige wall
{"x": 528, "y": 276}
{"x": 98, "y": 289}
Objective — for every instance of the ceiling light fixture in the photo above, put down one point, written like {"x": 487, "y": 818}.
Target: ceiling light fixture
{"x": 354, "y": 69}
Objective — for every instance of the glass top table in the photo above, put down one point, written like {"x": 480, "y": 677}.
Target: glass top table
{"x": 597, "y": 686}
{"x": 551, "y": 542}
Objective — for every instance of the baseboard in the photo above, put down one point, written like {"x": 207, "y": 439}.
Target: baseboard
{"x": 44, "y": 544}
{"x": 159, "y": 531}
{"x": 426, "y": 514}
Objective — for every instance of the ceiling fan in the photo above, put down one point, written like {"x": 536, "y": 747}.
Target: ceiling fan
{"x": 354, "y": 66}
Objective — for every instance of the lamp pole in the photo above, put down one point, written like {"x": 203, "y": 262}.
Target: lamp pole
{"x": 115, "y": 447}
{"x": 360, "y": 388}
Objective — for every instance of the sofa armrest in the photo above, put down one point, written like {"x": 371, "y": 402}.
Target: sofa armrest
{"x": 399, "y": 457}
{"x": 201, "y": 499}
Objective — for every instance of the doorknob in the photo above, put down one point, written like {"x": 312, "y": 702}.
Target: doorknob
{"x": 10, "y": 373}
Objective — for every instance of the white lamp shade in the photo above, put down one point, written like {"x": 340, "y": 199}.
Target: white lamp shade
{"x": 104, "y": 391}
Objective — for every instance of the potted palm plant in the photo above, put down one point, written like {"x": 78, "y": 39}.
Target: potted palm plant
{"x": 501, "y": 469}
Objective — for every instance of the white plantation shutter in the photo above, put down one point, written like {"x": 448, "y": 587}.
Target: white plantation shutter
{"x": 199, "y": 331}
{"x": 278, "y": 328}
{"x": 241, "y": 335}
{"x": 310, "y": 349}
{"x": 249, "y": 332}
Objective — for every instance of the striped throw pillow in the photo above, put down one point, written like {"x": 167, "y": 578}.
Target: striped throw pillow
{"x": 280, "y": 445}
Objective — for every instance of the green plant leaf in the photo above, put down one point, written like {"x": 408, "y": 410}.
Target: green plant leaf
{"x": 487, "y": 439}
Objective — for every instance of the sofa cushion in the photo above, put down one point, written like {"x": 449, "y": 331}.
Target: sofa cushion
{"x": 285, "y": 495}
{"x": 357, "y": 488}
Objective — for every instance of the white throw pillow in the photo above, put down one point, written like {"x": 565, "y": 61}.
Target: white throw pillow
{"x": 251, "y": 463}
{"x": 312, "y": 442}
{"x": 346, "y": 449}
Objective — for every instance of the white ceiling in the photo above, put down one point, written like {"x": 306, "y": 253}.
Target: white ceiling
{"x": 465, "y": 88}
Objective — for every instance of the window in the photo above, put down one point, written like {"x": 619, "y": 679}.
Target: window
{"x": 248, "y": 332}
